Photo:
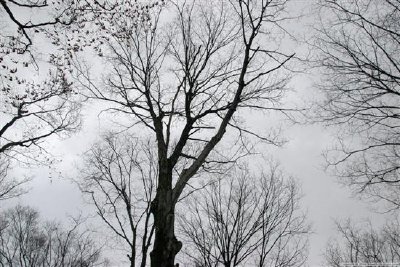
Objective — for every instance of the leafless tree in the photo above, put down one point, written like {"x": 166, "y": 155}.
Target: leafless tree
{"x": 120, "y": 178}
{"x": 26, "y": 18}
{"x": 17, "y": 10}
{"x": 30, "y": 117}
{"x": 9, "y": 187}
{"x": 358, "y": 46}
{"x": 37, "y": 105}
{"x": 362, "y": 244}
{"x": 247, "y": 221}
{"x": 31, "y": 109}
{"x": 26, "y": 242}
{"x": 185, "y": 78}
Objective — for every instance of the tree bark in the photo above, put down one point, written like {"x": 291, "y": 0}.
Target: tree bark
{"x": 166, "y": 245}
{"x": 132, "y": 261}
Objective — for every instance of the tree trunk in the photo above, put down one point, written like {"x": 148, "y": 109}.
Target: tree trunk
{"x": 132, "y": 257}
{"x": 166, "y": 246}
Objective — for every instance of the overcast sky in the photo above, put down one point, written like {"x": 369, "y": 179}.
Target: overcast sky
{"x": 324, "y": 199}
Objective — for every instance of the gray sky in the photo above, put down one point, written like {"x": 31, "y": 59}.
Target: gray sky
{"x": 324, "y": 199}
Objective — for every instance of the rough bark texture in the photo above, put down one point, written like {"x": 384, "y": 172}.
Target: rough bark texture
{"x": 166, "y": 245}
